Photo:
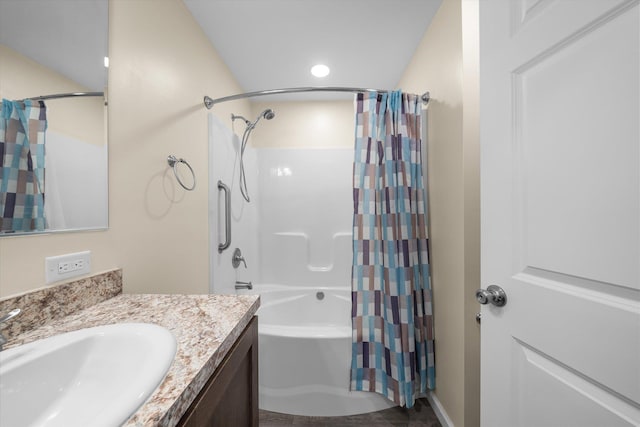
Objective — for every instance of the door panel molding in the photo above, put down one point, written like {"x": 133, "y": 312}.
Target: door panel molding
{"x": 580, "y": 198}
{"x": 535, "y": 365}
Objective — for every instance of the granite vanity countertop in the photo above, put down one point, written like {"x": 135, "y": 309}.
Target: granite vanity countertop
{"x": 205, "y": 328}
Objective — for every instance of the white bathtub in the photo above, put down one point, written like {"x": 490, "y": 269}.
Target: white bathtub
{"x": 305, "y": 353}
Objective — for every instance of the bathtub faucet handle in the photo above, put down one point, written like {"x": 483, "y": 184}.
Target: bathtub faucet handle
{"x": 237, "y": 258}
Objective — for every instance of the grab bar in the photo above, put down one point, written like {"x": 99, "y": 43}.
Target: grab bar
{"x": 227, "y": 217}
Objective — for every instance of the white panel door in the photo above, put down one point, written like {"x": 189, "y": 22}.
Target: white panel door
{"x": 561, "y": 212}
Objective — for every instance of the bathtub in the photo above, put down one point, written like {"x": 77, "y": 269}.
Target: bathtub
{"x": 305, "y": 352}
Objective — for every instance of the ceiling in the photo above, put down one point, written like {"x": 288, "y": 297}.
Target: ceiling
{"x": 272, "y": 44}
{"x": 267, "y": 44}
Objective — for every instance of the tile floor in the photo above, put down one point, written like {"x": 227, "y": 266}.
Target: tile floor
{"x": 421, "y": 415}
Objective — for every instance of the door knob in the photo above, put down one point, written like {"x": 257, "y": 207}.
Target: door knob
{"x": 493, "y": 294}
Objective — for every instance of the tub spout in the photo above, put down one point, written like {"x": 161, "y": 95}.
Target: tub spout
{"x": 243, "y": 285}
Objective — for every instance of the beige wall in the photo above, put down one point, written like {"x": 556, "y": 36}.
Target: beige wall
{"x": 471, "y": 163}
{"x": 81, "y": 118}
{"x": 161, "y": 66}
{"x": 309, "y": 124}
{"x": 158, "y": 231}
{"x": 446, "y": 65}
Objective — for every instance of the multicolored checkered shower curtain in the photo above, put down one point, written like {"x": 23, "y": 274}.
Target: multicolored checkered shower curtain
{"x": 392, "y": 351}
{"x": 22, "y": 130}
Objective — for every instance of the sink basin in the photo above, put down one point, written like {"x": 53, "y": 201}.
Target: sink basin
{"x": 92, "y": 377}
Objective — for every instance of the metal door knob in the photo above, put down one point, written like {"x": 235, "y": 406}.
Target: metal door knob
{"x": 493, "y": 294}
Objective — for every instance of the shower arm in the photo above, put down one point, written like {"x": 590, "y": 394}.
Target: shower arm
{"x": 210, "y": 102}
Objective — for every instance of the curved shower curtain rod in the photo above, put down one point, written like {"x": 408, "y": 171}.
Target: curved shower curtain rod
{"x": 65, "y": 95}
{"x": 209, "y": 102}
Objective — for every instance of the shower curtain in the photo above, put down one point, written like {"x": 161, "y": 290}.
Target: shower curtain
{"x": 392, "y": 350}
{"x": 22, "y": 134}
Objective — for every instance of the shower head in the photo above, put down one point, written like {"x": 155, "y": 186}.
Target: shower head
{"x": 267, "y": 114}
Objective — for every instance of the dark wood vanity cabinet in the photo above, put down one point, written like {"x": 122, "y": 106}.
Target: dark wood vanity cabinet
{"x": 230, "y": 397}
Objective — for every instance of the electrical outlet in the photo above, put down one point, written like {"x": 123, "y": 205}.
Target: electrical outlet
{"x": 63, "y": 267}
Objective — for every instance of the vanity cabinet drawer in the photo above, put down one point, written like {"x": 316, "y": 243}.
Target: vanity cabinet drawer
{"x": 230, "y": 397}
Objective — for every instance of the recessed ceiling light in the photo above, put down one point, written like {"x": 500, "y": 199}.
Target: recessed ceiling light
{"x": 320, "y": 70}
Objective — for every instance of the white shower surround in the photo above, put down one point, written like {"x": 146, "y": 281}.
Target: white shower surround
{"x": 306, "y": 214}
{"x": 224, "y": 166}
{"x": 296, "y": 237}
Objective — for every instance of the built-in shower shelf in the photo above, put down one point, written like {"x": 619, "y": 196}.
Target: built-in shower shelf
{"x": 302, "y": 258}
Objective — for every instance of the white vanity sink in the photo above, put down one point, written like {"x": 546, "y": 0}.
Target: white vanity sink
{"x": 92, "y": 377}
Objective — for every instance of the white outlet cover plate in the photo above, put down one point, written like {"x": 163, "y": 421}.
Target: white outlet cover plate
{"x": 51, "y": 266}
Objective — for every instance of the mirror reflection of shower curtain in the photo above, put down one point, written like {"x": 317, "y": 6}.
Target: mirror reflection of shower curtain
{"x": 392, "y": 352}
{"x": 22, "y": 155}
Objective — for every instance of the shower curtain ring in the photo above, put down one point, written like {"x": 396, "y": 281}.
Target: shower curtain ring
{"x": 173, "y": 162}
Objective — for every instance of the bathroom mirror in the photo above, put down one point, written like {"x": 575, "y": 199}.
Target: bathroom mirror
{"x": 61, "y": 47}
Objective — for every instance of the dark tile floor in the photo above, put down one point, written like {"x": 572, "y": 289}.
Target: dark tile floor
{"x": 421, "y": 415}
